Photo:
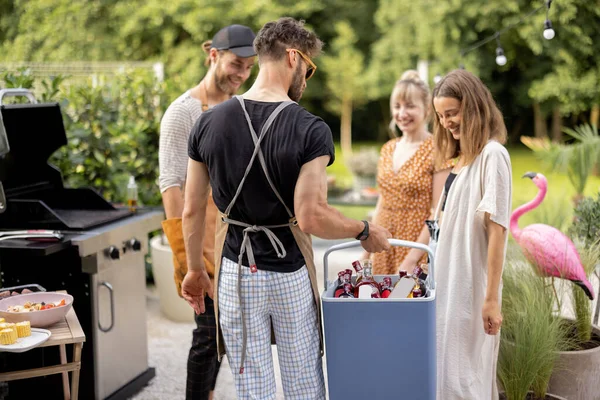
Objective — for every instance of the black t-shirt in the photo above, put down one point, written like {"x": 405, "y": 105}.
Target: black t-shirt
{"x": 447, "y": 187}
{"x": 221, "y": 139}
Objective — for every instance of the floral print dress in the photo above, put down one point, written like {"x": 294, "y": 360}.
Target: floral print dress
{"x": 406, "y": 197}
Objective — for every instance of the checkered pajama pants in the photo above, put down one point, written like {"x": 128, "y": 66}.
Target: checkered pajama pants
{"x": 285, "y": 299}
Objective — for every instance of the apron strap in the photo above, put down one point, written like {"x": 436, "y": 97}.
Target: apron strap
{"x": 258, "y": 151}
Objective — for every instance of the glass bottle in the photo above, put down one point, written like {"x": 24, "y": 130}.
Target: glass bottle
{"x": 348, "y": 291}
{"x": 403, "y": 288}
{"x": 368, "y": 279}
{"x": 359, "y": 271}
{"x": 420, "y": 283}
{"x": 344, "y": 280}
{"x": 132, "y": 194}
{"x": 386, "y": 287}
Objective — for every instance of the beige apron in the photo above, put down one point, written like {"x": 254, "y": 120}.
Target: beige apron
{"x": 303, "y": 240}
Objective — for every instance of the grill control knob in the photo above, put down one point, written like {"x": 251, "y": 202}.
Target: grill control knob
{"x": 134, "y": 244}
{"x": 112, "y": 252}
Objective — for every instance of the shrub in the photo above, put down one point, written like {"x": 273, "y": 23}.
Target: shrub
{"x": 112, "y": 130}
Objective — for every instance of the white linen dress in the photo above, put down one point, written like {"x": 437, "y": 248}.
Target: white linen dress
{"x": 466, "y": 355}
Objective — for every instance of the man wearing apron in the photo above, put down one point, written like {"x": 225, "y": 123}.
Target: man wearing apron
{"x": 265, "y": 158}
{"x": 230, "y": 60}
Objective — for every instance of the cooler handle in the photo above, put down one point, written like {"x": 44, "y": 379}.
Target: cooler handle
{"x": 18, "y": 92}
{"x": 393, "y": 242}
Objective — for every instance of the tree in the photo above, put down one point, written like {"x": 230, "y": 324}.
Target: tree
{"x": 344, "y": 65}
{"x": 557, "y": 77}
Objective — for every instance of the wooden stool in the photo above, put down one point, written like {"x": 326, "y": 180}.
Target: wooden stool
{"x": 68, "y": 331}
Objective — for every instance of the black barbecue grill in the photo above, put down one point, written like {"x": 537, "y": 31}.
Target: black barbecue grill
{"x": 33, "y": 189}
{"x": 95, "y": 252}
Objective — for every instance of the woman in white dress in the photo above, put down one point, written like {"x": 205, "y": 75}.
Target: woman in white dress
{"x": 473, "y": 234}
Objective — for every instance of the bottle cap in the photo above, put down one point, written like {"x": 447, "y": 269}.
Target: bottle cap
{"x": 357, "y": 266}
{"x": 131, "y": 181}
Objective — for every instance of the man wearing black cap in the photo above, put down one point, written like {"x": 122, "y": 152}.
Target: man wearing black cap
{"x": 230, "y": 60}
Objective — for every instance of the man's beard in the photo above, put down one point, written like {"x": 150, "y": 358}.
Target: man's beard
{"x": 222, "y": 81}
{"x": 297, "y": 87}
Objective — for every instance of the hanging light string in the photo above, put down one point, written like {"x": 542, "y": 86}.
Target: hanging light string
{"x": 500, "y": 57}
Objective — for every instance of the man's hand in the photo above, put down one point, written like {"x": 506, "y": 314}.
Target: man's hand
{"x": 193, "y": 288}
{"x": 377, "y": 240}
{"x": 492, "y": 318}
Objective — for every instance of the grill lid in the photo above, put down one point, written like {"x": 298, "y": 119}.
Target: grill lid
{"x": 35, "y": 197}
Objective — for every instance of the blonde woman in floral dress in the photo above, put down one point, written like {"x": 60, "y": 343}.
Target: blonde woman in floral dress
{"x": 409, "y": 185}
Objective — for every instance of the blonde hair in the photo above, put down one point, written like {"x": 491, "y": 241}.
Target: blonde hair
{"x": 481, "y": 120}
{"x": 410, "y": 86}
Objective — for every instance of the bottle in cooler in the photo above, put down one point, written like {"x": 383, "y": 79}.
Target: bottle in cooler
{"x": 359, "y": 271}
{"x": 386, "y": 287}
{"x": 367, "y": 279}
{"x": 344, "y": 286}
{"x": 403, "y": 288}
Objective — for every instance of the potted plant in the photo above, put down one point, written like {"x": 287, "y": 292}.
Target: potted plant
{"x": 580, "y": 360}
{"x": 363, "y": 165}
{"x": 530, "y": 336}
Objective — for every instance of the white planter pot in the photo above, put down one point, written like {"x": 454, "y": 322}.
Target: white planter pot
{"x": 577, "y": 373}
{"x": 171, "y": 305}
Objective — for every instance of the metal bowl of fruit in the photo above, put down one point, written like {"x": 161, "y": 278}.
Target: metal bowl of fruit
{"x": 42, "y": 309}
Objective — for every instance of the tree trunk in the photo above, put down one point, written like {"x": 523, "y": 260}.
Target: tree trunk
{"x": 556, "y": 125}
{"x": 595, "y": 114}
{"x": 540, "y": 128}
{"x": 346, "y": 127}
{"x": 513, "y": 136}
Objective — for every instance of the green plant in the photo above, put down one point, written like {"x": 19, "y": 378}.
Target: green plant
{"x": 531, "y": 334}
{"x": 589, "y": 254}
{"x": 587, "y": 220}
{"x": 112, "y": 130}
{"x": 577, "y": 159}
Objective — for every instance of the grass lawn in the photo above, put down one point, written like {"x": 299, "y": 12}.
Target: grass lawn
{"x": 556, "y": 210}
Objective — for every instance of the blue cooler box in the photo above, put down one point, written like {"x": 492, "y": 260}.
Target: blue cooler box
{"x": 380, "y": 349}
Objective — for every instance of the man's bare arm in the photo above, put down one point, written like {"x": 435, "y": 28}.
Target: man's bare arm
{"x": 318, "y": 218}
{"x": 314, "y": 215}
{"x": 173, "y": 202}
{"x": 194, "y": 214}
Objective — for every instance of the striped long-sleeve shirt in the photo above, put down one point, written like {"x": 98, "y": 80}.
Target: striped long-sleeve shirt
{"x": 175, "y": 129}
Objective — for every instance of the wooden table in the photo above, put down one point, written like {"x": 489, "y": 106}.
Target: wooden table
{"x": 68, "y": 331}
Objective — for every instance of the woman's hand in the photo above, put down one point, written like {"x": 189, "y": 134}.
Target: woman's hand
{"x": 492, "y": 317}
{"x": 408, "y": 266}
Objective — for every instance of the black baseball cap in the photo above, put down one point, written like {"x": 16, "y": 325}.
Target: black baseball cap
{"x": 238, "y": 39}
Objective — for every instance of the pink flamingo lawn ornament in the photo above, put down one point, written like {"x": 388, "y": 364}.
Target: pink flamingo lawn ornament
{"x": 544, "y": 246}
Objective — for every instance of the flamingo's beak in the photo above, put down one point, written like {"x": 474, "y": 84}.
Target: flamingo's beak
{"x": 530, "y": 175}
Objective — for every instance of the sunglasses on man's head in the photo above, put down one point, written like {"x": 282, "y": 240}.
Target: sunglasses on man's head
{"x": 311, "y": 67}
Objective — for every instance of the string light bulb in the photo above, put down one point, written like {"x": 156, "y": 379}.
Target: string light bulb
{"x": 548, "y": 31}
{"x": 500, "y": 57}
{"x": 437, "y": 78}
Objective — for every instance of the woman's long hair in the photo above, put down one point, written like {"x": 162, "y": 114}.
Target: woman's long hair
{"x": 481, "y": 120}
